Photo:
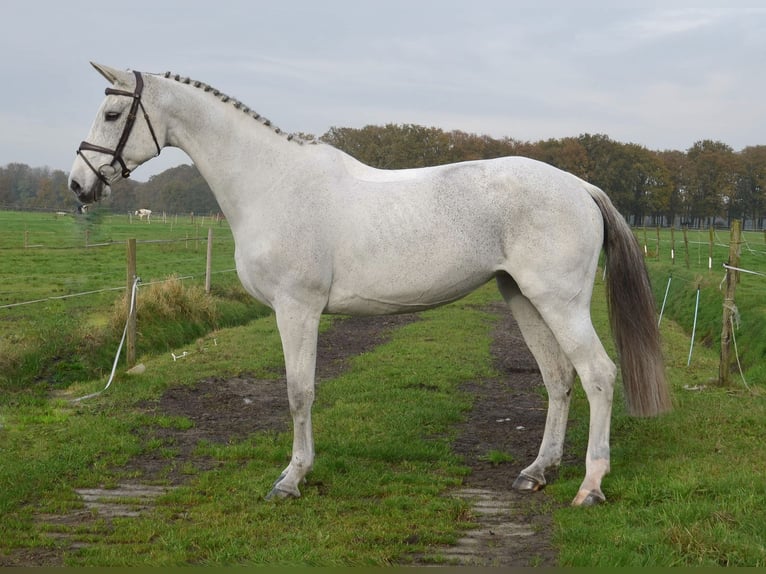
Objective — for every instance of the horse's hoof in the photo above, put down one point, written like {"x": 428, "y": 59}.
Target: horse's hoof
{"x": 278, "y": 480}
{"x": 526, "y": 483}
{"x": 279, "y": 494}
{"x": 592, "y": 498}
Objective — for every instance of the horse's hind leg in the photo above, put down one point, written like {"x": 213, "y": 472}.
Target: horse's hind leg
{"x": 566, "y": 340}
{"x": 570, "y": 322}
{"x": 558, "y": 376}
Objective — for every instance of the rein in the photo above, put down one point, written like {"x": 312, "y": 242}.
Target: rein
{"x": 116, "y": 153}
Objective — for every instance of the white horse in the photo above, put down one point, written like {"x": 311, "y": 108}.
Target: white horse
{"x": 316, "y": 231}
{"x": 144, "y": 213}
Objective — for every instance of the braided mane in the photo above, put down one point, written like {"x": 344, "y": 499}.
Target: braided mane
{"x": 239, "y": 105}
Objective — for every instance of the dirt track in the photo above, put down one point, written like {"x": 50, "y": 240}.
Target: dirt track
{"x": 509, "y": 414}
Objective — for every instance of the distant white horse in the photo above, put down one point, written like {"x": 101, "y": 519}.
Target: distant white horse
{"x": 144, "y": 213}
{"x": 316, "y": 231}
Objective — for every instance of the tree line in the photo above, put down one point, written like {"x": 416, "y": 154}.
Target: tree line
{"x": 707, "y": 184}
{"x": 179, "y": 189}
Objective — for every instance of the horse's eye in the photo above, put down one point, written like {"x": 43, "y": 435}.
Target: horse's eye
{"x": 111, "y": 116}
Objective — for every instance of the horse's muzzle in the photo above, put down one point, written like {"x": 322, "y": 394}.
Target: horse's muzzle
{"x": 92, "y": 195}
{"x": 76, "y": 188}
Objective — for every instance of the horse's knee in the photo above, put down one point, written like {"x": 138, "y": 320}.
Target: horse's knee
{"x": 301, "y": 401}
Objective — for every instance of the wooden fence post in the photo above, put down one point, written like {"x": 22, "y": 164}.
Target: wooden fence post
{"x": 672, "y": 245}
{"x": 686, "y": 245}
{"x": 729, "y": 309}
{"x": 658, "y": 243}
{"x": 209, "y": 262}
{"x": 130, "y": 349}
{"x": 710, "y": 249}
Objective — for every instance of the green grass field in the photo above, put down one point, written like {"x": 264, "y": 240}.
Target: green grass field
{"x": 687, "y": 489}
{"x": 45, "y": 255}
{"x": 681, "y": 294}
{"x": 61, "y": 303}
{"x": 691, "y": 486}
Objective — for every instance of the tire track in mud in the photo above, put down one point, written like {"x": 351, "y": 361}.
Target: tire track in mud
{"x": 221, "y": 410}
{"x": 512, "y": 529}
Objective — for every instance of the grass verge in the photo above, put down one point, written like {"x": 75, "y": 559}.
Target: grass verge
{"x": 686, "y": 489}
{"x": 64, "y": 348}
{"x": 383, "y": 442}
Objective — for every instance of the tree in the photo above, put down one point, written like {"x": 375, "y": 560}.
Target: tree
{"x": 19, "y": 183}
{"x": 751, "y": 185}
{"x": 706, "y": 182}
{"x": 392, "y": 146}
{"x": 180, "y": 189}
{"x": 646, "y": 179}
{"x": 676, "y": 173}
{"x": 712, "y": 179}
{"x": 45, "y": 196}
{"x": 568, "y": 154}
{"x": 466, "y": 147}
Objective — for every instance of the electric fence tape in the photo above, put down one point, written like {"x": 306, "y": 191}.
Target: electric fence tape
{"x": 136, "y": 281}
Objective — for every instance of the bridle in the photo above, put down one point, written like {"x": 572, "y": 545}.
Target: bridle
{"x": 116, "y": 153}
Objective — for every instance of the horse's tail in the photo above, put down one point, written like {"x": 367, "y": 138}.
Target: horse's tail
{"x": 632, "y": 314}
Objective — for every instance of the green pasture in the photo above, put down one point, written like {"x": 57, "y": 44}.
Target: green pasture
{"x": 49, "y": 255}
{"x": 680, "y": 281}
{"x": 63, "y": 285}
{"x": 686, "y": 489}
{"x": 692, "y": 487}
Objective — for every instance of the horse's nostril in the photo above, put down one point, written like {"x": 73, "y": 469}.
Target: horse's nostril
{"x": 75, "y": 187}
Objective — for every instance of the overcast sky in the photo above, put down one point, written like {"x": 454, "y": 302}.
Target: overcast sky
{"x": 661, "y": 74}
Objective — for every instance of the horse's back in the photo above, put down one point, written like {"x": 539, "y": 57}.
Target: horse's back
{"x": 501, "y": 203}
{"x": 411, "y": 239}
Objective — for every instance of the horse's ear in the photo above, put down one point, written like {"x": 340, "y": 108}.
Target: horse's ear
{"x": 112, "y": 75}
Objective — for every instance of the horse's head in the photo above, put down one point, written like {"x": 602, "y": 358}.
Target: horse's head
{"x": 120, "y": 140}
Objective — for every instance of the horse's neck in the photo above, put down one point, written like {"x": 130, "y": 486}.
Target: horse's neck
{"x": 238, "y": 156}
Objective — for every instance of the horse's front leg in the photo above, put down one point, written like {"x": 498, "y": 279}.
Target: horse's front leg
{"x": 298, "y": 329}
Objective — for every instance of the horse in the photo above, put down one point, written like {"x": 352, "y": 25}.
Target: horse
{"x": 144, "y": 213}
{"x": 317, "y": 231}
